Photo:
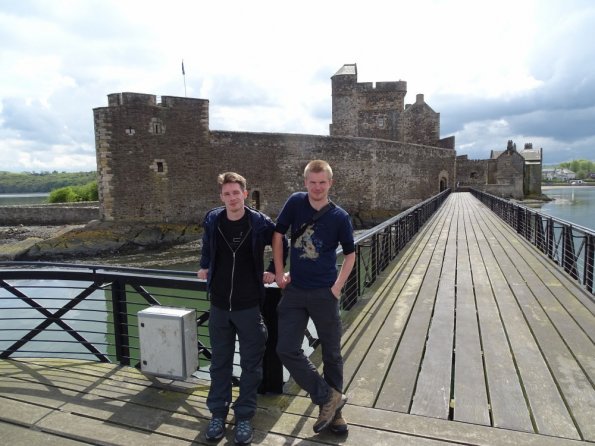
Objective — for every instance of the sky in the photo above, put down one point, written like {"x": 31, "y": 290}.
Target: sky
{"x": 521, "y": 70}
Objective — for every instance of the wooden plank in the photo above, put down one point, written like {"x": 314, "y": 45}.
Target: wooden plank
{"x": 399, "y": 384}
{"x": 377, "y": 355}
{"x": 545, "y": 401}
{"x": 470, "y": 394}
{"x": 14, "y": 435}
{"x": 433, "y": 428}
{"x": 96, "y": 418}
{"x": 433, "y": 389}
{"x": 508, "y": 406}
{"x": 563, "y": 317}
{"x": 450, "y": 431}
{"x": 577, "y": 390}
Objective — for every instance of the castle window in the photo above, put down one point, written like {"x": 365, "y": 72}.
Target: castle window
{"x": 474, "y": 176}
{"x": 256, "y": 199}
{"x": 380, "y": 122}
{"x": 156, "y": 126}
{"x": 159, "y": 166}
{"x": 130, "y": 131}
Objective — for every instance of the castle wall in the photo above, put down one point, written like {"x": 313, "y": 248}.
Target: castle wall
{"x": 49, "y": 214}
{"x": 372, "y": 177}
{"x": 471, "y": 172}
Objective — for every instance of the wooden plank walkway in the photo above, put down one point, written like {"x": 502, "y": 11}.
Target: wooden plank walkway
{"x": 470, "y": 337}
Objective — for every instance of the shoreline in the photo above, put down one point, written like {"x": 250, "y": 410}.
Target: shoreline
{"x": 93, "y": 240}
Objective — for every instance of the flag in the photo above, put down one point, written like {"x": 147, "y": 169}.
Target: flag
{"x": 183, "y": 72}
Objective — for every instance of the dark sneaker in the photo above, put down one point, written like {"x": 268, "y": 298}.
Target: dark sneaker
{"x": 244, "y": 432}
{"x": 327, "y": 411}
{"x": 339, "y": 424}
{"x": 216, "y": 429}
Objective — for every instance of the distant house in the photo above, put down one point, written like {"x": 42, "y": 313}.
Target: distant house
{"x": 558, "y": 173}
{"x": 507, "y": 173}
{"x": 520, "y": 168}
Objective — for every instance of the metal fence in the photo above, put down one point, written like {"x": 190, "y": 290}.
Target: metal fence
{"x": 570, "y": 246}
{"x": 377, "y": 247}
{"x": 90, "y": 311}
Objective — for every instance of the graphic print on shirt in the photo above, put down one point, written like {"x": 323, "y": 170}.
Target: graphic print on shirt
{"x": 309, "y": 246}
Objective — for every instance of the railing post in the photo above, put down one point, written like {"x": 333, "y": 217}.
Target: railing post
{"x": 540, "y": 237}
{"x": 120, "y": 311}
{"x": 351, "y": 290}
{"x": 550, "y": 238}
{"x": 568, "y": 256}
{"x": 374, "y": 257}
{"x": 272, "y": 368}
{"x": 518, "y": 221}
{"x": 589, "y": 261}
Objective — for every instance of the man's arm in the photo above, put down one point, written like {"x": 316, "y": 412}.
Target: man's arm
{"x": 281, "y": 279}
{"x": 205, "y": 254}
{"x": 348, "y": 262}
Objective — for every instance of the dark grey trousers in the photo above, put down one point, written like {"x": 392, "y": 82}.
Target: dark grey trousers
{"x": 252, "y": 335}
{"x": 295, "y": 307}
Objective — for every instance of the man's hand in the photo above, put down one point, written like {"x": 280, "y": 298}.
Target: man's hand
{"x": 283, "y": 280}
{"x": 203, "y": 273}
{"x": 336, "y": 290}
{"x": 268, "y": 277}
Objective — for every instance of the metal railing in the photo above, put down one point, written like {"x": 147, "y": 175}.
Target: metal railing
{"x": 90, "y": 311}
{"x": 377, "y": 247}
{"x": 570, "y": 246}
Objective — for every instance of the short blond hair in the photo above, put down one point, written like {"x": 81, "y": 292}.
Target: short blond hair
{"x": 231, "y": 177}
{"x": 316, "y": 166}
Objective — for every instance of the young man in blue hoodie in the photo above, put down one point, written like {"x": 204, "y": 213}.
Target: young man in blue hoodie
{"x": 232, "y": 262}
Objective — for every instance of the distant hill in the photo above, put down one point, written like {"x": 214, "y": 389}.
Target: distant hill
{"x": 16, "y": 183}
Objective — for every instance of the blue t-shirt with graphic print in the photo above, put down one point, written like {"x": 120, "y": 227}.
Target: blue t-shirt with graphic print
{"x": 313, "y": 258}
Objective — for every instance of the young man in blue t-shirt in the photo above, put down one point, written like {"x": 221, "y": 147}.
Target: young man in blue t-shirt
{"x": 312, "y": 289}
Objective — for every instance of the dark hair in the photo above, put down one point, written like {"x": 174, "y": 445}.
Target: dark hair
{"x": 231, "y": 177}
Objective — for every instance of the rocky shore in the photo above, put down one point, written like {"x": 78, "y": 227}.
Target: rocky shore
{"x": 93, "y": 240}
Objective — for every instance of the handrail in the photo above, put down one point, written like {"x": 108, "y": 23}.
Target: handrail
{"x": 376, "y": 247}
{"x": 111, "y": 296}
{"x": 570, "y": 246}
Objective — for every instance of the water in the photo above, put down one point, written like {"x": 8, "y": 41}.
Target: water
{"x": 29, "y": 198}
{"x": 575, "y": 204}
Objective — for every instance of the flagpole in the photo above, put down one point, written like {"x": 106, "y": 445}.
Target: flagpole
{"x": 184, "y": 75}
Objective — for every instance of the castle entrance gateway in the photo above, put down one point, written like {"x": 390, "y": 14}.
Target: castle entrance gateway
{"x": 443, "y": 180}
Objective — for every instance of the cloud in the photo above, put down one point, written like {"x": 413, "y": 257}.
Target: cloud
{"x": 494, "y": 71}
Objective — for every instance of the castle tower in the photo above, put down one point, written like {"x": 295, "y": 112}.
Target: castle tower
{"x": 421, "y": 124}
{"x": 148, "y": 156}
{"x": 365, "y": 110}
{"x": 345, "y": 105}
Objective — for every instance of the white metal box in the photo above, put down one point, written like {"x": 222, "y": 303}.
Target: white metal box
{"x": 168, "y": 342}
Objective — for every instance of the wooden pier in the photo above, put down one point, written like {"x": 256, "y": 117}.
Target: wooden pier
{"x": 471, "y": 337}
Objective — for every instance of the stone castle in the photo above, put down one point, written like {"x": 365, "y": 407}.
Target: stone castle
{"x": 158, "y": 160}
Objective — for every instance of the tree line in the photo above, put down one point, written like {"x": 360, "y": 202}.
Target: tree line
{"x": 32, "y": 182}
{"x": 582, "y": 168}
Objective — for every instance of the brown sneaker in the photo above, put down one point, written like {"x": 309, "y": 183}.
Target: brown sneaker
{"x": 327, "y": 411}
{"x": 339, "y": 424}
